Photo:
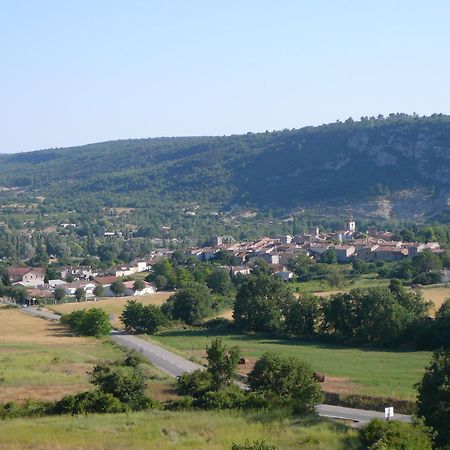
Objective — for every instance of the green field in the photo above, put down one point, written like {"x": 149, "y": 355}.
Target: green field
{"x": 380, "y": 373}
{"x": 361, "y": 281}
{"x": 161, "y": 430}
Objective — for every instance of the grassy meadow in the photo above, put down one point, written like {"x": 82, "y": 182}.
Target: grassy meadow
{"x": 39, "y": 360}
{"x": 112, "y": 305}
{"x": 322, "y": 286}
{"x": 378, "y": 373}
{"x": 163, "y": 430}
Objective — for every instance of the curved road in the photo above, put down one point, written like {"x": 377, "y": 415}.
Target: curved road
{"x": 175, "y": 366}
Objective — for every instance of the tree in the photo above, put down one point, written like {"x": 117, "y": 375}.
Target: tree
{"x": 433, "y": 401}
{"x": 5, "y": 280}
{"x": 286, "y": 378}
{"x": 99, "y": 290}
{"x": 59, "y": 293}
{"x": 261, "y": 303}
{"x": 118, "y": 287}
{"x": 373, "y": 315}
{"x": 441, "y": 328}
{"x": 426, "y": 261}
{"x": 138, "y": 285}
{"x": 379, "y": 434}
{"x": 304, "y": 315}
{"x": 328, "y": 256}
{"x": 301, "y": 265}
{"x": 142, "y": 319}
{"x": 260, "y": 267}
{"x": 164, "y": 268}
{"x": 91, "y": 322}
{"x": 80, "y": 294}
{"x": 69, "y": 278}
{"x": 191, "y": 304}
{"x": 18, "y": 293}
{"x": 222, "y": 362}
{"x": 335, "y": 279}
{"x": 219, "y": 282}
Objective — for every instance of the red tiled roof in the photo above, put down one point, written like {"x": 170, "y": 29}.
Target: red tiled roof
{"x": 104, "y": 281}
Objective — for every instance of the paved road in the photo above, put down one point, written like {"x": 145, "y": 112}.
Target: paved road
{"x": 168, "y": 362}
{"x": 175, "y": 366}
{"x": 32, "y": 311}
{"x": 39, "y": 313}
{"x": 361, "y": 416}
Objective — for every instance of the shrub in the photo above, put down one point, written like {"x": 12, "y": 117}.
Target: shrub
{"x": 29, "y": 408}
{"x": 89, "y": 402}
{"x": 195, "y": 383}
{"x": 380, "y": 435}
{"x": 125, "y": 383}
{"x": 254, "y": 445}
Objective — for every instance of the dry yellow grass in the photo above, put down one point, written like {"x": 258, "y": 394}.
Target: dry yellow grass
{"x": 21, "y": 328}
{"x": 114, "y": 305}
{"x": 39, "y": 360}
{"x": 437, "y": 295}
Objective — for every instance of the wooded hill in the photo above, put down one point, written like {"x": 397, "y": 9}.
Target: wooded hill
{"x": 280, "y": 170}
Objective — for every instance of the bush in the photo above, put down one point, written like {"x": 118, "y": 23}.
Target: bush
{"x": 89, "y": 402}
{"x": 229, "y": 398}
{"x": 29, "y": 408}
{"x": 195, "y": 383}
{"x": 380, "y": 435}
{"x": 255, "y": 445}
{"x": 428, "y": 278}
{"x": 125, "y": 383}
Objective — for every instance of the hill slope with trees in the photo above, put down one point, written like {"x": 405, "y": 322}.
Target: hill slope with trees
{"x": 280, "y": 170}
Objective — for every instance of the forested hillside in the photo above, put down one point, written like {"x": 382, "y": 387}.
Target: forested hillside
{"x": 281, "y": 170}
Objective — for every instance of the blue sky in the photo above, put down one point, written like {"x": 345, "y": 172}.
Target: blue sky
{"x": 75, "y": 72}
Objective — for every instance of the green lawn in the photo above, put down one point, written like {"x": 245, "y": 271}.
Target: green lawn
{"x": 161, "y": 430}
{"x": 380, "y": 373}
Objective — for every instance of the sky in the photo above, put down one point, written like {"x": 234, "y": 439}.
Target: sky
{"x": 76, "y": 72}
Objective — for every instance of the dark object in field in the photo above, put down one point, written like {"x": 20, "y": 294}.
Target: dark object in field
{"x": 319, "y": 376}
{"x": 242, "y": 361}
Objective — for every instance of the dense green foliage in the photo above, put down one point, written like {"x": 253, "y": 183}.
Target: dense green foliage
{"x": 190, "y": 305}
{"x": 289, "y": 379}
{"x": 142, "y": 319}
{"x": 255, "y": 445}
{"x": 261, "y": 302}
{"x": 90, "y": 322}
{"x": 395, "y": 435}
{"x": 222, "y": 363}
{"x": 251, "y": 169}
{"x": 433, "y": 402}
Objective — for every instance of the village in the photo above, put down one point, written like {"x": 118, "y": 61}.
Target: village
{"x": 344, "y": 246}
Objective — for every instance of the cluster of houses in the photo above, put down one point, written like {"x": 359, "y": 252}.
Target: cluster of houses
{"x": 347, "y": 244}
{"x": 76, "y": 277}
